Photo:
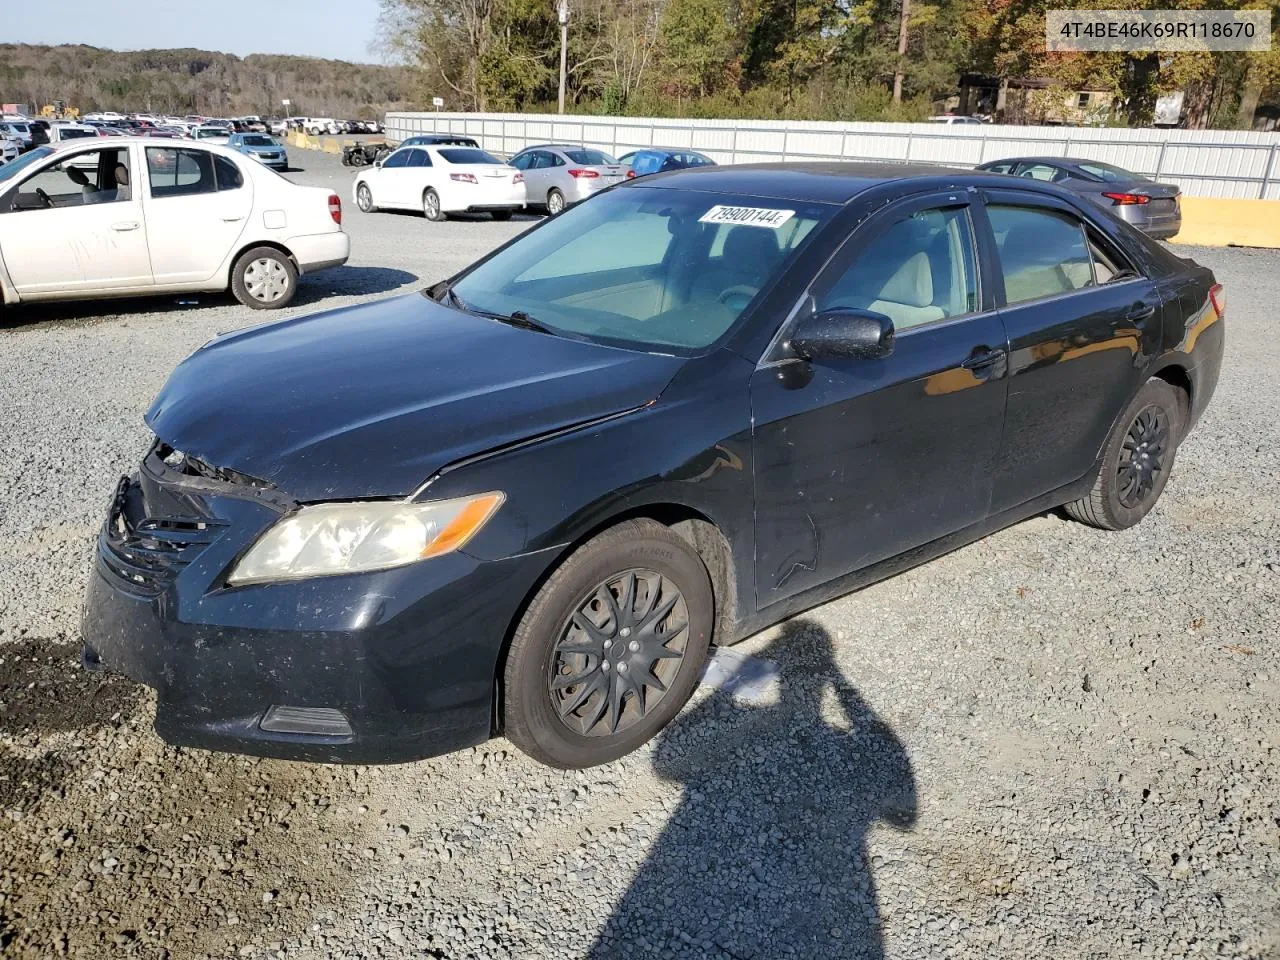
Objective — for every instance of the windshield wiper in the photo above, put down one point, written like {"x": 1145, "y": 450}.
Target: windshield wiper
{"x": 516, "y": 318}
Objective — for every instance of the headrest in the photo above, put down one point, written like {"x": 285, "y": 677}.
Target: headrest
{"x": 748, "y": 247}
{"x": 911, "y": 283}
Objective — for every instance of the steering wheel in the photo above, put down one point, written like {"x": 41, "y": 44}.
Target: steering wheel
{"x": 740, "y": 289}
{"x": 44, "y": 198}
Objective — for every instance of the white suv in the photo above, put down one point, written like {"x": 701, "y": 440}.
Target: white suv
{"x": 320, "y": 125}
{"x": 128, "y": 216}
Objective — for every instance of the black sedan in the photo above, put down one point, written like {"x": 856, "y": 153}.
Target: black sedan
{"x": 528, "y": 500}
{"x": 1154, "y": 208}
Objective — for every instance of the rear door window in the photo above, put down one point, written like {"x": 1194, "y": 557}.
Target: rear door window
{"x": 1043, "y": 252}
{"x": 1041, "y": 171}
{"x": 179, "y": 173}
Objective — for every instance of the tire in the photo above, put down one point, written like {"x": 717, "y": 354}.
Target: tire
{"x": 555, "y": 202}
{"x": 264, "y": 278}
{"x": 431, "y": 205}
{"x": 501, "y": 215}
{"x": 605, "y": 716}
{"x": 1136, "y": 461}
{"x": 364, "y": 199}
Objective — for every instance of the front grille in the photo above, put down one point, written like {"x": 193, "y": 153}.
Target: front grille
{"x": 147, "y": 552}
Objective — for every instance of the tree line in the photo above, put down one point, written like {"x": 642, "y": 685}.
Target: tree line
{"x": 801, "y": 59}
{"x": 199, "y": 82}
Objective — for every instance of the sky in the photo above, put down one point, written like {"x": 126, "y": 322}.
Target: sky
{"x": 339, "y": 29}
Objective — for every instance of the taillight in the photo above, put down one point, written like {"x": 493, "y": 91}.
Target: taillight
{"x": 518, "y": 178}
{"x": 335, "y": 208}
{"x": 463, "y": 177}
{"x": 1127, "y": 199}
{"x": 583, "y": 174}
{"x": 631, "y": 174}
{"x": 1218, "y": 297}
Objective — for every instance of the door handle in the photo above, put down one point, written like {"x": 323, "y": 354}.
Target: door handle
{"x": 1140, "y": 313}
{"x": 124, "y": 225}
{"x": 985, "y": 362}
{"x": 231, "y": 219}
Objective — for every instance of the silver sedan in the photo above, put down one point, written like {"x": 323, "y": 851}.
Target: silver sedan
{"x": 557, "y": 175}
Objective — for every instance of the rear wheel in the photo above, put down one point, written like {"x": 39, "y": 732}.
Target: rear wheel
{"x": 555, "y": 202}
{"x": 431, "y": 205}
{"x": 264, "y": 278}
{"x": 610, "y": 648}
{"x": 364, "y": 198}
{"x": 1136, "y": 460}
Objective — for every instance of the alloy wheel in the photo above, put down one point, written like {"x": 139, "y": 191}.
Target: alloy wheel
{"x": 618, "y": 653}
{"x": 364, "y": 199}
{"x": 431, "y": 206}
{"x": 1141, "y": 455}
{"x": 266, "y": 280}
{"x": 555, "y": 203}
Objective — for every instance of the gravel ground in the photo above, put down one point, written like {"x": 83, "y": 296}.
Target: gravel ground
{"x": 1057, "y": 742}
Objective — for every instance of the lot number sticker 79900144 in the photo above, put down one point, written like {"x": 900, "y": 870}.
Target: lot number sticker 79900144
{"x": 747, "y": 216}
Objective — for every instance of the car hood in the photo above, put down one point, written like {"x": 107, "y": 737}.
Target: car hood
{"x": 369, "y": 401}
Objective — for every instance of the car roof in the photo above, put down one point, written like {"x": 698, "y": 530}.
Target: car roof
{"x": 821, "y": 182}
{"x": 666, "y": 150}
{"x": 561, "y": 146}
{"x": 1055, "y": 161}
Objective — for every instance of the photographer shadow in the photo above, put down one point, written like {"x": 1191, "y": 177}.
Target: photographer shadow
{"x": 766, "y": 854}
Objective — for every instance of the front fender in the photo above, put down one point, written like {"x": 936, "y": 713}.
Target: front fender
{"x": 690, "y": 450}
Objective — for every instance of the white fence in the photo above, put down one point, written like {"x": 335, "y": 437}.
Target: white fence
{"x": 1205, "y": 163}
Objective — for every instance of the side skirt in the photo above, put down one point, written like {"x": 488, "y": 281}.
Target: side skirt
{"x": 858, "y": 579}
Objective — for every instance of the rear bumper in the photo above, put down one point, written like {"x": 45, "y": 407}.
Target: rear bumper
{"x": 471, "y": 197}
{"x": 1161, "y": 229}
{"x": 407, "y": 657}
{"x": 320, "y": 250}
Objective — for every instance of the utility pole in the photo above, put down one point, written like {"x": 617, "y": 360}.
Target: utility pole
{"x": 902, "y": 51}
{"x": 563, "y": 11}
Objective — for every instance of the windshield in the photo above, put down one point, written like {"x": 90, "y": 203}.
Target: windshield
{"x": 9, "y": 170}
{"x": 258, "y": 140}
{"x": 204, "y": 133}
{"x": 465, "y": 155}
{"x": 590, "y": 157}
{"x": 1107, "y": 172}
{"x": 650, "y": 268}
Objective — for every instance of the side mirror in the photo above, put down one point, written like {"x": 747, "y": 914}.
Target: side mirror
{"x": 378, "y": 162}
{"x": 844, "y": 332}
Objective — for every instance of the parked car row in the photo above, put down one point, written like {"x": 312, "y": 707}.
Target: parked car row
{"x": 556, "y": 176}
{"x": 320, "y": 126}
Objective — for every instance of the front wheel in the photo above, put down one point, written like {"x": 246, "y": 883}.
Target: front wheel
{"x": 431, "y": 206}
{"x": 1136, "y": 461}
{"x": 610, "y": 648}
{"x": 264, "y": 278}
{"x": 364, "y": 198}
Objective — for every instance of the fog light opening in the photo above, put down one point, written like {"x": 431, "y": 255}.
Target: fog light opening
{"x": 313, "y": 721}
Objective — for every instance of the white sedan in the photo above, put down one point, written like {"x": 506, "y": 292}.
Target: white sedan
{"x": 129, "y": 216}
{"x": 439, "y": 180}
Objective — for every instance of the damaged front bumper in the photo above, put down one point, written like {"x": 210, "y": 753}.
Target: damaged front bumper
{"x": 364, "y": 668}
